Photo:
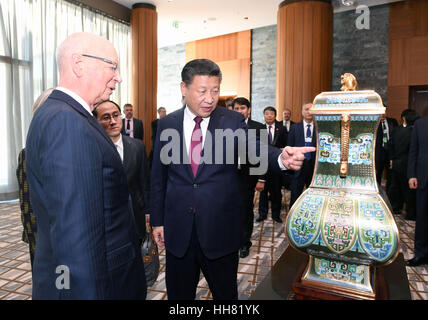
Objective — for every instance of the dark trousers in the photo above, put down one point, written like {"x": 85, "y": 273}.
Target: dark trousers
{"x": 421, "y": 229}
{"x": 301, "y": 179}
{"x": 273, "y": 188}
{"x": 400, "y": 193}
{"x": 182, "y": 274}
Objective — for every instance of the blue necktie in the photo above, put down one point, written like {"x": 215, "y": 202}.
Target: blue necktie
{"x": 270, "y": 135}
{"x": 307, "y": 143}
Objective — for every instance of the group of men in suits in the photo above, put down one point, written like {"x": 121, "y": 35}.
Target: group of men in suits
{"x": 280, "y": 135}
{"x": 88, "y": 184}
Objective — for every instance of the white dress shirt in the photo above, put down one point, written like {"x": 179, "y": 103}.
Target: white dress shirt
{"x": 119, "y": 147}
{"x": 272, "y": 129}
{"x": 189, "y": 125}
{"x": 76, "y": 97}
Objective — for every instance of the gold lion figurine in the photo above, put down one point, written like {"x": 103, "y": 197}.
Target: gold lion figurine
{"x": 348, "y": 82}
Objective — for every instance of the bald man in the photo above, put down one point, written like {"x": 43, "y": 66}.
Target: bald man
{"x": 87, "y": 245}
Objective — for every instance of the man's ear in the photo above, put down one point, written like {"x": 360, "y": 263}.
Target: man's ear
{"x": 77, "y": 65}
{"x": 183, "y": 88}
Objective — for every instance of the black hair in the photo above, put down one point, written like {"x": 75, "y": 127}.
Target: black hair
{"x": 411, "y": 116}
{"x": 404, "y": 112}
{"x": 242, "y": 101}
{"x": 95, "y": 111}
{"x": 270, "y": 108}
{"x": 199, "y": 67}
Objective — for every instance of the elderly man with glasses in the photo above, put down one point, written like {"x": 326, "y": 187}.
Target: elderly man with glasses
{"x": 87, "y": 245}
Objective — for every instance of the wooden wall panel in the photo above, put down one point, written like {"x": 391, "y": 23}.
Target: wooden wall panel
{"x": 408, "y": 52}
{"x": 304, "y": 54}
{"x": 418, "y": 55}
{"x": 232, "y": 52}
{"x": 398, "y": 100}
{"x": 398, "y": 62}
{"x": 144, "y": 68}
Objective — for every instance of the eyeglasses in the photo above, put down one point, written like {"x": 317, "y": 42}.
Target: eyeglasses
{"x": 107, "y": 117}
{"x": 102, "y": 59}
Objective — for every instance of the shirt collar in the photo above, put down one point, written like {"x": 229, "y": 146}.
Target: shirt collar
{"x": 76, "y": 97}
{"x": 119, "y": 142}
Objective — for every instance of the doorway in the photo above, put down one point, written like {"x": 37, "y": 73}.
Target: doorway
{"x": 418, "y": 99}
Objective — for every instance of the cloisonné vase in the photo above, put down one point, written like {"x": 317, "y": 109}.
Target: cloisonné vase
{"x": 341, "y": 220}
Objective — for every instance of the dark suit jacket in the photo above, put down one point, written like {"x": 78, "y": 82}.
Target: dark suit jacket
{"x": 138, "y": 128}
{"x": 381, "y": 153}
{"x": 154, "y": 125}
{"x": 418, "y": 153}
{"x": 212, "y": 201}
{"x": 291, "y": 124}
{"x": 280, "y": 135}
{"x": 398, "y": 148}
{"x": 296, "y": 138}
{"x": 137, "y": 174}
{"x": 80, "y": 197}
{"x": 252, "y": 180}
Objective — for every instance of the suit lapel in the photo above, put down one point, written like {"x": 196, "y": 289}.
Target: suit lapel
{"x": 276, "y": 133}
{"x": 179, "y": 118}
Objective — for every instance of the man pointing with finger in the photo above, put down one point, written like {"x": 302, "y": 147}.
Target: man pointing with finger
{"x": 196, "y": 207}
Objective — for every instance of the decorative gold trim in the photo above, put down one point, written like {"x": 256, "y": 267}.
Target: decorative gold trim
{"x": 344, "y": 144}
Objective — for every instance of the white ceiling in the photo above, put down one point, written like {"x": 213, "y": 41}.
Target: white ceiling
{"x": 182, "y": 21}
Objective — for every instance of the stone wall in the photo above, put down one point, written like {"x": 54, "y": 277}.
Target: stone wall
{"x": 364, "y": 53}
{"x": 171, "y": 61}
{"x": 263, "y": 71}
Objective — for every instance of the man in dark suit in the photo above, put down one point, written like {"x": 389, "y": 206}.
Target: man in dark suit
{"x": 133, "y": 155}
{"x": 398, "y": 154}
{"x": 196, "y": 203}
{"x": 131, "y": 126}
{"x": 286, "y": 122}
{"x": 303, "y": 134}
{"x": 87, "y": 245}
{"x": 381, "y": 153}
{"x": 277, "y": 136}
{"x": 418, "y": 179}
{"x": 250, "y": 183}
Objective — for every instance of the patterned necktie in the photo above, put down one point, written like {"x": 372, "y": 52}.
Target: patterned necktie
{"x": 308, "y": 141}
{"x": 196, "y": 146}
{"x": 270, "y": 135}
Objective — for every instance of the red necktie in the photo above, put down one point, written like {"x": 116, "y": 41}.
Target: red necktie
{"x": 196, "y": 146}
